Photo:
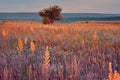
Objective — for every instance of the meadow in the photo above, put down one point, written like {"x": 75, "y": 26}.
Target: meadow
{"x": 71, "y": 51}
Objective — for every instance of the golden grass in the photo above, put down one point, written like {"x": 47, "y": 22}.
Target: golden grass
{"x": 95, "y": 36}
{"x": 46, "y": 64}
{"x": 25, "y": 40}
{"x": 47, "y": 58}
{"x": 32, "y": 46}
{"x": 30, "y": 71}
{"x": 4, "y": 33}
{"x": 77, "y": 51}
{"x": 113, "y": 76}
{"x": 5, "y": 74}
{"x": 20, "y": 45}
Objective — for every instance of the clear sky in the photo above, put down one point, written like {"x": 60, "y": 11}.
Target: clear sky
{"x": 72, "y": 6}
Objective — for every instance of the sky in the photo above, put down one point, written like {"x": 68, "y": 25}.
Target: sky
{"x": 68, "y": 6}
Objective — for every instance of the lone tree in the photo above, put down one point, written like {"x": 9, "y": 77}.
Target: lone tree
{"x": 51, "y": 14}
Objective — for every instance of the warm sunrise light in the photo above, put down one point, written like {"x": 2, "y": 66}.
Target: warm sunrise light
{"x": 72, "y": 6}
{"x": 59, "y": 40}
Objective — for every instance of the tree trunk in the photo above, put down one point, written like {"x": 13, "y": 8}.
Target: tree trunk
{"x": 51, "y": 21}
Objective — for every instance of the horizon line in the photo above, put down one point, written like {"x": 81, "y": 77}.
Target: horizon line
{"x": 66, "y": 12}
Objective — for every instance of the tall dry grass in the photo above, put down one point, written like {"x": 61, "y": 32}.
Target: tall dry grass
{"x": 20, "y": 45}
{"x": 32, "y": 46}
{"x": 95, "y": 36}
{"x": 113, "y": 75}
{"x": 46, "y": 63}
{"x": 25, "y": 40}
{"x": 77, "y": 51}
{"x": 5, "y": 74}
{"x": 30, "y": 72}
{"x": 4, "y": 33}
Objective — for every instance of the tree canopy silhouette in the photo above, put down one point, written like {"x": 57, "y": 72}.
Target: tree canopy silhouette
{"x": 51, "y": 14}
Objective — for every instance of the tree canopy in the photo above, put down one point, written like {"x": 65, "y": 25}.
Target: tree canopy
{"x": 52, "y": 13}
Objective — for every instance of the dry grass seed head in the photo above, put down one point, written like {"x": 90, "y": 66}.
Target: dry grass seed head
{"x": 46, "y": 58}
{"x": 20, "y": 44}
{"x": 25, "y": 40}
{"x": 31, "y": 28}
{"x": 95, "y": 36}
{"x": 30, "y": 71}
{"x": 5, "y": 74}
{"x": 4, "y": 33}
{"x": 32, "y": 46}
{"x": 110, "y": 71}
{"x": 113, "y": 76}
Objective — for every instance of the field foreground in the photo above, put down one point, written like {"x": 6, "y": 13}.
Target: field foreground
{"x": 71, "y": 51}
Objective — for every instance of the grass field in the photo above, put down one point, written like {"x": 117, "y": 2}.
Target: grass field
{"x": 71, "y": 51}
